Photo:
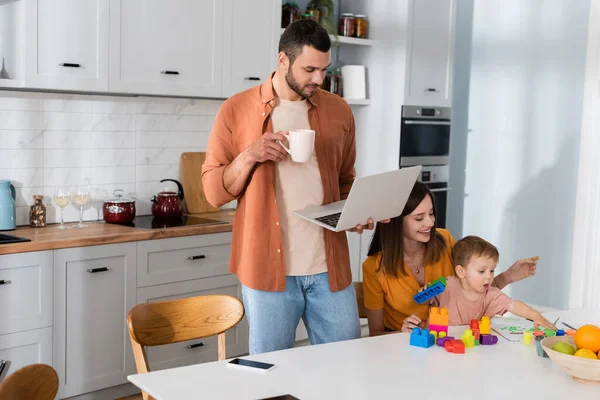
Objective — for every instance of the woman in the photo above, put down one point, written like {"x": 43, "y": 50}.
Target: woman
{"x": 404, "y": 255}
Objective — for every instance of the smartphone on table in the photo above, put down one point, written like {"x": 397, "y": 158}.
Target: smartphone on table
{"x": 250, "y": 365}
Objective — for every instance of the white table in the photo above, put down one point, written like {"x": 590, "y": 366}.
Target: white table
{"x": 384, "y": 367}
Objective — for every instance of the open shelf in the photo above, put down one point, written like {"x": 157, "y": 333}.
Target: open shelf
{"x": 359, "y": 102}
{"x": 349, "y": 40}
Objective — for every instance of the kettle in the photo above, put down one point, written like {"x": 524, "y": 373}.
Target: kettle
{"x": 168, "y": 204}
{"x": 8, "y": 213}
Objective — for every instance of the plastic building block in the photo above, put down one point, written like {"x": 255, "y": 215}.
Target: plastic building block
{"x": 455, "y": 346}
{"x": 441, "y": 341}
{"x": 477, "y": 343}
{"x": 549, "y": 332}
{"x": 442, "y": 334}
{"x": 434, "y": 333}
{"x": 538, "y": 334}
{"x": 485, "y": 326}
{"x": 468, "y": 339}
{"x": 474, "y": 324}
{"x": 421, "y": 338}
{"x": 476, "y": 333}
{"x": 433, "y": 289}
{"x": 571, "y": 332}
{"x": 438, "y": 328}
{"x": 438, "y": 316}
{"x": 488, "y": 340}
{"x": 560, "y": 332}
{"x": 527, "y": 337}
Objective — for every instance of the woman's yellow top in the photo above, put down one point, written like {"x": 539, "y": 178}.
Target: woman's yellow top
{"x": 395, "y": 295}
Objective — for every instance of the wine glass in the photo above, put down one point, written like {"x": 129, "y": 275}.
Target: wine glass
{"x": 81, "y": 196}
{"x": 62, "y": 197}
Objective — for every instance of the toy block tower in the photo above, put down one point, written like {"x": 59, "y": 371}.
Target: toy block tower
{"x": 438, "y": 319}
{"x": 433, "y": 289}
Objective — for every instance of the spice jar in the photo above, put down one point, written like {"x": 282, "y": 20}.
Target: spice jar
{"x": 347, "y": 26}
{"x": 37, "y": 212}
{"x": 362, "y": 26}
{"x": 290, "y": 12}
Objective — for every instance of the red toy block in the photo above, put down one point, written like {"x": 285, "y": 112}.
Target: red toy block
{"x": 455, "y": 346}
{"x": 476, "y": 333}
{"x": 474, "y": 324}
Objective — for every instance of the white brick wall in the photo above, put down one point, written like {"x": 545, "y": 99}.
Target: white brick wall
{"x": 49, "y": 139}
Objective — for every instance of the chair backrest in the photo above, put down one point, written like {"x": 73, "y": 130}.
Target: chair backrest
{"x": 360, "y": 299}
{"x": 33, "y": 382}
{"x": 173, "y": 321}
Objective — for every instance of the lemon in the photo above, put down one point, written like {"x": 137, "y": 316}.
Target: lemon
{"x": 563, "y": 347}
{"x": 585, "y": 353}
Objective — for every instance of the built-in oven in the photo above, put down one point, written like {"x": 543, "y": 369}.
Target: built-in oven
{"x": 425, "y": 136}
{"x": 436, "y": 179}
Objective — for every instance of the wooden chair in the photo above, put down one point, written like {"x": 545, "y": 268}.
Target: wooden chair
{"x": 33, "y": 382}
{"x": 360, "y": 299}
{"x": 166, "y": 322}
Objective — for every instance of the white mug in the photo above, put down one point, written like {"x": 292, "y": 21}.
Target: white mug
{"x": 302, "y": 144}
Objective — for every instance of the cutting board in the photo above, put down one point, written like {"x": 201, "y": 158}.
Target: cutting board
{"x": 191, "y": 179}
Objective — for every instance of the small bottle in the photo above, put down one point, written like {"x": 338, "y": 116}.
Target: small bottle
{"x": 37, "y": 212}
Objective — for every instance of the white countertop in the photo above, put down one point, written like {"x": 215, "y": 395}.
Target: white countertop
{"x": 382, "y": 367}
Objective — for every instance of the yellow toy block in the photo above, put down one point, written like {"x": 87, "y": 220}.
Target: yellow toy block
{"x": 438, "y": 316}
{"x": 468, "y": 339}
{"x": 485, "y": 326}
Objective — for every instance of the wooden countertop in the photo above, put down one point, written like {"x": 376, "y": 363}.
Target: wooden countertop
{"x": 50, "y": 238}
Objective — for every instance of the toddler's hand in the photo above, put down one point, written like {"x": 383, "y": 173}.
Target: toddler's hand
{"x": 539, "y": 320}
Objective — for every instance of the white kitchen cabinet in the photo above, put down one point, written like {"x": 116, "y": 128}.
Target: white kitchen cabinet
{"x": 431, "y": 26}
{"x": 185, "y": 258}
{"x": 94, "y": 291}
{"x": 202, "y": 350}
{"x": 67, "y": 44}
{"x": 250, "y": 53}
{"x": 25, "y": 348}
{"x": 166, "y": 47}
{"x": 25, "y": 291}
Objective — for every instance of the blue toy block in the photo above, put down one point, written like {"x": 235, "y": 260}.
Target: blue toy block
{"x": 436, "y": 287}
{"x": 421, "y": 338}
{"x": 560, "y": 332}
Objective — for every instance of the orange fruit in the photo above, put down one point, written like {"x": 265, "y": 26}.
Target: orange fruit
{"x": 588, "y": 337}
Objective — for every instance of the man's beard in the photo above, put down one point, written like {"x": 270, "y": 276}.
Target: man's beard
{"x": 291, "y": 81}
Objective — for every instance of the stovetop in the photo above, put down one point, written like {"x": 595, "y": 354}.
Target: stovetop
{"x": 150, "y": 222}
{"x": 5, "y": 239}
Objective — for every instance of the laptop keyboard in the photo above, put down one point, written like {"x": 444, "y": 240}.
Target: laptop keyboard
{"x": 330, "y": 220}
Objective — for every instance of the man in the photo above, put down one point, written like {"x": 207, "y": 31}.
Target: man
{"x": 289, "y": 268}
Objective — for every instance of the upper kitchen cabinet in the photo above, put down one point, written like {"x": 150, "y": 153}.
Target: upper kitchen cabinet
{"x": 66, "y": 44}
{"x": 166, "y": 47}
{"x": 430, "y": 53}
{"x": 250, "y": 48}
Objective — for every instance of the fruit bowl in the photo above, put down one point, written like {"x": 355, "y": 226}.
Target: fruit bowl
{"x": 581, "y": 369}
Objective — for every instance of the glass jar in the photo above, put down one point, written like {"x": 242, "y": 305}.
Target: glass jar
{"x": 37, "y": 212}
{"x": 333, "y": 82}
{"x": 347, "y": 26}
{"x": 362, "y": 26}
{"x": 290, "y": 12}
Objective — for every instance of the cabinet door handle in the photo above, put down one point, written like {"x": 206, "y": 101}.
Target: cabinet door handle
{"x": 430, "y": 89}
{"x": 252, "y": 78}
{"x": 94, "y": 270}
{"x": 200, "y": 257}
{"x": 195, "y": 345}
{"x": 70, "y": 65}
{"x": 2, "y": 365}
{"x": 4, "y": 282}
{"x": 167, "y": 72}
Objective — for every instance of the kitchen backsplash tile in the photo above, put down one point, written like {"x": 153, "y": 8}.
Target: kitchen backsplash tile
{"x": 106, "y": 142}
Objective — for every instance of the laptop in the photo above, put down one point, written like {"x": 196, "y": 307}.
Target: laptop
{"x": 379, "y": 197}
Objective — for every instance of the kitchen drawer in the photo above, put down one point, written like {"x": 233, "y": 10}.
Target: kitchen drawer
{"x": 178, "y": 354}
{"x": 26, "y": 294}
{"x": 25, "y": 348}
{"x": 181, "y": 259}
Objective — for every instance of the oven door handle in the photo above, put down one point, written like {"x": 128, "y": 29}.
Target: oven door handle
{"x": 411, "y": 122}
{"x": 438, "y": 190}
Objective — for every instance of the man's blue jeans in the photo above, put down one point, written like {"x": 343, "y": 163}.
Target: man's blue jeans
{"x": 274, "y": 316}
